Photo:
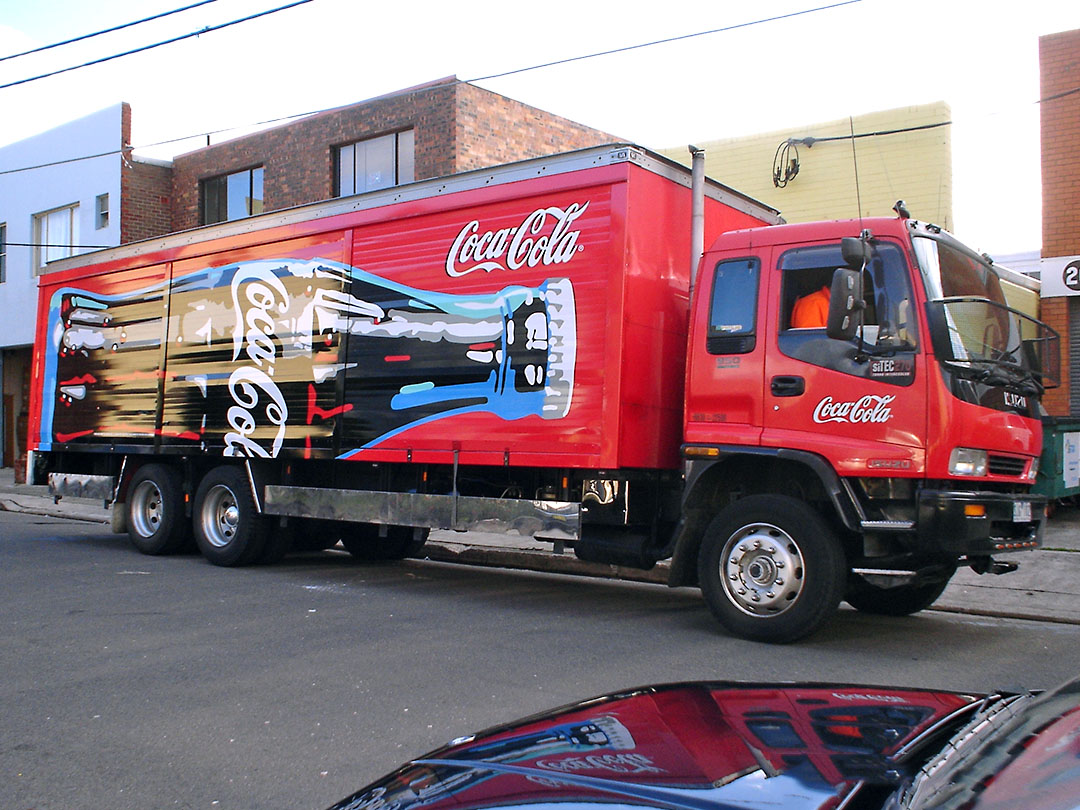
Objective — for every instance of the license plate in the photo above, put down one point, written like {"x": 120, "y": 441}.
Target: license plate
{"x": 1022, "y": 512}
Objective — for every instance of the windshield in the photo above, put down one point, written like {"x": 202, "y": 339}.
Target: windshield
{"x": 971, "y": 323}
{"x": 950, "y": 273}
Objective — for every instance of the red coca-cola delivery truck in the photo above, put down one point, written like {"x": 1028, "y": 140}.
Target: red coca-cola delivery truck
{"x": 526, "y": 349}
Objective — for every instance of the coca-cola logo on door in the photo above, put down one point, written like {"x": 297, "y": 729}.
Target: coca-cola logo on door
{"x": 868, "y": 409}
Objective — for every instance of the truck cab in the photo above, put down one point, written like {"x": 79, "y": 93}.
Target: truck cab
{"x": 865, "y": 380}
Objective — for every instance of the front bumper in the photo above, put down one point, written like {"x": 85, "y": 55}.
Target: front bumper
{"x": 979, "y": 523}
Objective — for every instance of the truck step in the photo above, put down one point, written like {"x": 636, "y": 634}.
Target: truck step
{"x": 888, "y": 525}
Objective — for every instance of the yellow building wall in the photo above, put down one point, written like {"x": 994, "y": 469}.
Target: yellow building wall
{"x": 914, "y": 166}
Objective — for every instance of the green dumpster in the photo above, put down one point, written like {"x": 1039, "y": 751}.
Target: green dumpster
{"x": 1059, "y": 465}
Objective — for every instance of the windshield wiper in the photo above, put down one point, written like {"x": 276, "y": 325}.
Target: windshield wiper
{"x": 1000, "y": 373}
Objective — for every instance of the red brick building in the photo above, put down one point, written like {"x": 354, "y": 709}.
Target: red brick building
{"x": 433, "y": 130}
{"x": 145, "y": 192}
{"x": 1059, "y": 60}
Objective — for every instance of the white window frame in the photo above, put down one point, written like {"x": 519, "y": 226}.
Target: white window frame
{"x": 50, "y": 241}
{"x": 101, "y": 211}
{"x": 350, "y": 163}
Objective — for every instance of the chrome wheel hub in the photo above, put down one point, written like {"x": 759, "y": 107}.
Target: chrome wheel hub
{"x": 220, "y": 516}
{"x": 146, "y": 511}
{"x": 761, "y": 569}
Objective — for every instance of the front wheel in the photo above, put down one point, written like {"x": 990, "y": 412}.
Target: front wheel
{"x": 228, "y": 529}
{"x": 902, "y": 600}
{"x": 771, "y": 569}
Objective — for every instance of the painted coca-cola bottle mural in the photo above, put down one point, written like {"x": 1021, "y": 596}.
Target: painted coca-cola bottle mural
{"x": 249, "y": 357}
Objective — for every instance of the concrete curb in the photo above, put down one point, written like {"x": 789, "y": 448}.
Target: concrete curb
{"x": 33, "y": 505}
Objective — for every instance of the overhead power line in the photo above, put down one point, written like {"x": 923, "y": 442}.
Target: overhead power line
{"x": 665, "y": 41}
{"x": 170, "y": 41}
{"x": 44, "y": 245}
{"x": 105, "y": 31}
{"x": 407, "y": 91}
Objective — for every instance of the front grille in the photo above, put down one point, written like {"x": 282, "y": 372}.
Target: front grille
{"x": 1007, "y": 465}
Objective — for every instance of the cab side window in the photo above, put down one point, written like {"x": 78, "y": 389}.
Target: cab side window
{"x": 733, "y": 309}
{"x": 888, "y": 318}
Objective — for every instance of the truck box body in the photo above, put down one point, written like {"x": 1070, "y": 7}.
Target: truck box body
{"x": 529, "y": 315}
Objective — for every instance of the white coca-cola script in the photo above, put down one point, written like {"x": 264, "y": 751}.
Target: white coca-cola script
{"x": 256, "y": 292}
{"x": 526, "y": 245}
{"x": 868, "y": 409}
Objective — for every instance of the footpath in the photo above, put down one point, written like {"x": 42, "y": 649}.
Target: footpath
{"x": 1046, "y": 587}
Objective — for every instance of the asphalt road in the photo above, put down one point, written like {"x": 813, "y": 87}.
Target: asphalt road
{"x": 141, "y": 682}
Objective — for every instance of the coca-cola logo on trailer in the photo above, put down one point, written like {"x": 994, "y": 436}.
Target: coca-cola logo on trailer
{"x": 256, "y": 293}
{"x": 526, "y": 245}
{"x": 868, "y": 409}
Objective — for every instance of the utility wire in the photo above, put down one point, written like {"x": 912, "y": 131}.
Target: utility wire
{"x": 470, "y": 81}
{"x": 397, "y": 93}
{"x": 43, "y": 245}
{"x": 665, "y": 41}
{"x": 105, "y": 31}
{"x": 206, "y": 30}
{"x": 810, "y": 140}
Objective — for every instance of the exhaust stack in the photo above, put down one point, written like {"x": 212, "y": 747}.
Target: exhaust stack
{"x": 697, "y": 211}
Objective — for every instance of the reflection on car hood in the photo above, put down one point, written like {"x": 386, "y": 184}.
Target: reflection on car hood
{"x": 699, "y": 746}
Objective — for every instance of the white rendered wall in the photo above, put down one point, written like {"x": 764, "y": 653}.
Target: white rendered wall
{"x": 26, "y": 193}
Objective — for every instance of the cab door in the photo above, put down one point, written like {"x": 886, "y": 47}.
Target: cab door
{"x": 861, "y": 404}
{"x": 727, "y": 352}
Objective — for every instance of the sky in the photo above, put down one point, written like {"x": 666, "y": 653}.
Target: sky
{"x": 758, "y": 75}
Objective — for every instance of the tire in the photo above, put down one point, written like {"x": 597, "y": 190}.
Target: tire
{"x": 228, "y": 530}
{"x": 280, "y": 540}
{"x": 902, "y": 600}
{"x": 362, "y": 541}
{"x": 770, "y": 569}
{"x": 317, "y": 534}
{"x": 155, "y": 510}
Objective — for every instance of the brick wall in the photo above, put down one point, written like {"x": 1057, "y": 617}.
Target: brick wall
{"x": 298, "y": 157}
{"x": 457, "y": 127}
{"x": 145, "y": 190}
{"x": 1059, "y": 62}
{"x": 492, "y": 129}
{"x": 1059, "y": 59}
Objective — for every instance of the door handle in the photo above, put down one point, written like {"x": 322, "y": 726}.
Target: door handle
{"x": 784, "y": 386}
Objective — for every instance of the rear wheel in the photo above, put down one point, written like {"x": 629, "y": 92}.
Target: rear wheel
{"x": 771, "y": 569}
{"x": 228, "y": 529}
{"x": 317, "y": 534}
{"x": 363, "y": 542}
{"x": 902, "y": 600}
{"x": 155, "y": 510}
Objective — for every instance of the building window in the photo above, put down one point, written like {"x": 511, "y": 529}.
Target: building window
{"x": 101, "y": 211}
{"x": 56, "y": 233}
{"x": 232, "y": 196}
{"x": 373, "y": 164}
{"x": 3, "y": 252}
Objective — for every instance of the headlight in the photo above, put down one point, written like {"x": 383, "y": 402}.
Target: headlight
{"x": 965, "y": 461}
{"x": 1034, "y": 471}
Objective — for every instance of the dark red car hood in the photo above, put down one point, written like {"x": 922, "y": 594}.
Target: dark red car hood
{"x": 698, "y": 746}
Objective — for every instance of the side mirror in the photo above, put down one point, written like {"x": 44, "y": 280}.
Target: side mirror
{"x": 856, "y": 252}
{"x": 845, "y": 304}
